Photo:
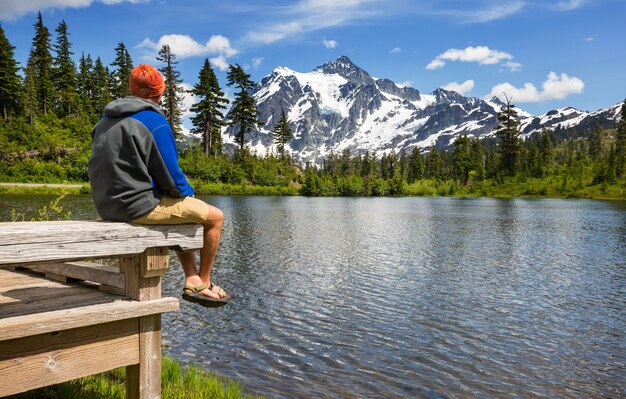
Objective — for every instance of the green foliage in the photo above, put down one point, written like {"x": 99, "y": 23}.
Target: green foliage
{"x": 120, "y": 76}
{"x": 243, "y": 114}
{"x": 508, "y": 136}
{"x": 10, "y": 85}
{"x": 209, "y": 117}
{"x": 40, "y": 67}
{"x": 173, "y": 95}
{"x": 282, "y": 133}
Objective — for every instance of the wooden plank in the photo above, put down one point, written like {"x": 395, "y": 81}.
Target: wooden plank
{"x": 34, "y": 324}
{"x": 34, "y": 242}
{"x": 47, "y": 295}
{"x": 86, "y": 271}
{"x": 154, "y": 262}
{"x": 150, "y": 356}
{"x": 145, "y": 378}
{"x": 41, "y": 360}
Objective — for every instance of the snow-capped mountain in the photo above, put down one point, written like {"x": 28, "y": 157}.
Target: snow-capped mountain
{"x": 339, "y": 106}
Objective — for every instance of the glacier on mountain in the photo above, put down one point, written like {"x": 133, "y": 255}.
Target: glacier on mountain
{"x": 338, "y": 106}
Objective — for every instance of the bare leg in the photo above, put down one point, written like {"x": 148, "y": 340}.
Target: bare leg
{"x": 212, "y": 231}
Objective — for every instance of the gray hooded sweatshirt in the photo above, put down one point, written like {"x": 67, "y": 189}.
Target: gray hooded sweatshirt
{"x": 134, "y": 160}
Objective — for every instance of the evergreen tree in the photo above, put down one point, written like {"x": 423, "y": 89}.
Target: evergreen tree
{"x": 40, "y": 60}
{"x": 463, "y": 160}
{"x": 100, "y": 91}
{"x": 416, "y": 166}
{"x": 120, "y": 76}
{"x": 509, "y": 144}
{"x": 620, "y": 143}
{"x": 282, "y": 133}
{"x": 10, "y": 85}
{"x": 173, "y": 95}
{"x": 29, "y": 95}
{"x": 478, "y": 162}
{"x": 369, "y": 167}
{"x": 546, "y": 153}
{"x": 209, "y": 117}
{"x": 434, "y": 164}
{"x": 532, "y": 165}
{"x": 243, "y": 114}
{"x": 64, "y": 76}
{"x": 84, "y": 84}
{"x": 595, "y": 144}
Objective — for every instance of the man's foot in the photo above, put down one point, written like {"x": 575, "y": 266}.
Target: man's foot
{"x": 195, "y": 294}
{"x": 216, "y": 289}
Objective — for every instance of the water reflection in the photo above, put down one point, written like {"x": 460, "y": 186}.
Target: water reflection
{"x": 412, "y": 297}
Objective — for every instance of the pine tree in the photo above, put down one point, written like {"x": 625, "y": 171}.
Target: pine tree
{"x": 509, "y": 144}
{"x": 463, "y": 162}
{"x": 595, "y": 144}
{"x": 120, "y": 76}
{"x": 172, "y": 97}
{"x": 416, "y": 166}
{"x": 478, "y": 161}
{"x": 209, "y": 118}
{"x": 85, "y": 83}
{"x": 620, "y": 143}
{"x": 40, "y": 60}
{"x": 64, "y": 73}
{"x": 546, "y": 152}
{"x": 243, "y": 114}
{"x": 29, "y": 95}
{"x": 10, "y": 85}
{"x": 282, "y": 133}
{"x": 434, "y": 164}
{"x": 100, "y": 92}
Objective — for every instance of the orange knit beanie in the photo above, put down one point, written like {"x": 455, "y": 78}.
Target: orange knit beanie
{"x": 146, "y": 82}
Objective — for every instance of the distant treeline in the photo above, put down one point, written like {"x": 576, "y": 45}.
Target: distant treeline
{"x": 49, "y": 106}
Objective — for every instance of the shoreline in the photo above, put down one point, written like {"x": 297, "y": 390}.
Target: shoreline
{"x": 251, "y": 190}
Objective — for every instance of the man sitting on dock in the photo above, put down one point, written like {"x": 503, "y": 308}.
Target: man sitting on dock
{"x": 135, "y": 177}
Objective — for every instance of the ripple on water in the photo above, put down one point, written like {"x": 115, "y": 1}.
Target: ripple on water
{"x": 412, "y": 297}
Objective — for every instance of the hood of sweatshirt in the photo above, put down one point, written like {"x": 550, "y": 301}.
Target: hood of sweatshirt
{"x": 130, "y": 105}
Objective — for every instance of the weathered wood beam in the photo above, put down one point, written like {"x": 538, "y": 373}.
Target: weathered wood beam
{"x": 36, "y": 242}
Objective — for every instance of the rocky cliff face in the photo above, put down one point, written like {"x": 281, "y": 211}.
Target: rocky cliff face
{"x": 340, "y": 106}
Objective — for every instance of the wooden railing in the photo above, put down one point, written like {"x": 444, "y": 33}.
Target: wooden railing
{"x": 62, "y": 318}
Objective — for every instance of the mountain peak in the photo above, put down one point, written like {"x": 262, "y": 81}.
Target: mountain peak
{"x": 343, "y": 66}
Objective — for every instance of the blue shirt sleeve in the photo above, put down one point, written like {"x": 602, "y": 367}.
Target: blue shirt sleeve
{"x": 164, "y": 139}
{"x": 166, "y": 145}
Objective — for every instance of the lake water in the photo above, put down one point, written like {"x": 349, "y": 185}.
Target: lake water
{"x": 408, "y": 297}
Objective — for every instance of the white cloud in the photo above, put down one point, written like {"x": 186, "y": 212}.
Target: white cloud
{"x": 220, "y": 62}
{"x": 570, "y": 4}
{"x": 435, "y": 64}
{"x": 312, "y": 15}
{"x": 256, "y": 62}
{"x": 185, "y": 46}
{"x": 480, "y": 54}
{"x": 406, "y": 83}
{"x": 461, "y": 88}
{"x": 513, "y": 66}
{"x": 330, "y": 43}
{"x": 13, "y": 9}
{"x": 556, "y": 87}
{"x": 590, "y": 39}
{"x": 395, "y": 50}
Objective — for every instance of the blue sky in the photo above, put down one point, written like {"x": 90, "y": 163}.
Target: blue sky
{"x": 542, "y": 54}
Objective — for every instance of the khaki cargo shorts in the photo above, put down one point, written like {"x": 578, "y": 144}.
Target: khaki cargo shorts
{"x": 176, "y": 211}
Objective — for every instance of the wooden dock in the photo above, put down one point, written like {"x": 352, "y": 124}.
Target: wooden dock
{"x": 61, "y": 319}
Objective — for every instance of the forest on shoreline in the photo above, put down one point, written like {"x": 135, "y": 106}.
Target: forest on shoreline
{"x": 49, "y": 107}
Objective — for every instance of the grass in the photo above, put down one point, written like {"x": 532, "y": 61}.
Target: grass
{"x": 178, "y": 382}
{"x": 550, "y": 187}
